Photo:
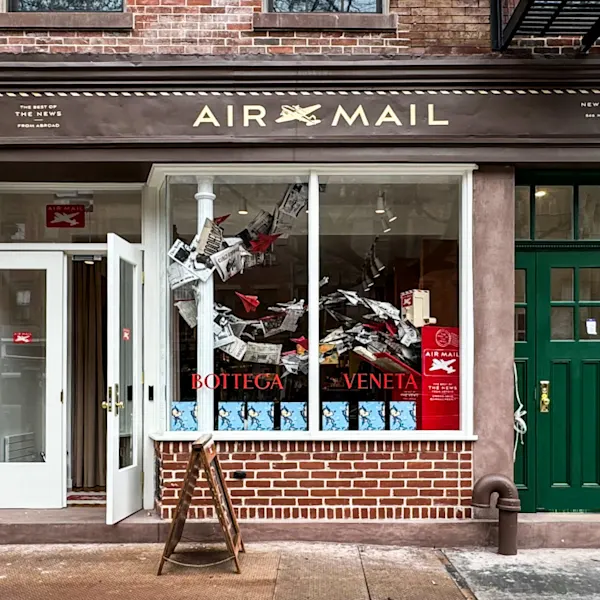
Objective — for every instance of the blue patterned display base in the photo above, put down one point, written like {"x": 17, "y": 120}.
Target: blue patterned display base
{"x": 184, "y": 416}
{"x": 294, "y": 416}
{"x": 260, "y": 416}
{"x": 403, "y": 416}
{"x": 371, "y": 416}
{"x": 231, "y": 416}
{"x": 335, "y": 416}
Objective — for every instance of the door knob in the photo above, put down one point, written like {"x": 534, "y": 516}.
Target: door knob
{"x": 544, "y": 396}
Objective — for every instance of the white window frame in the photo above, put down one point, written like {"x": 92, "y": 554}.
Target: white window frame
{"x": 193, "y": 172}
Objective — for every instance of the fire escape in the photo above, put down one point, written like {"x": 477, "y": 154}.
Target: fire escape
{"x": 545, "y": 18}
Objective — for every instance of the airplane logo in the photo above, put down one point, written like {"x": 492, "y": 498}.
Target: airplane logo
{"x": 64, "y": 218}
{"x": 440, "y": 364}
{"x": 22, "y": 337}
{"x": 65, "y": 215}
{"x": 297, "y": 113}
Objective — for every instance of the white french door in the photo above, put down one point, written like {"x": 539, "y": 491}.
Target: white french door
{"x": 32, "y": 409}
{"x": 124, "y": 378}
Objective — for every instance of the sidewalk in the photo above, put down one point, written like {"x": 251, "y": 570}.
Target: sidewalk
{"x": 296, "y": 571}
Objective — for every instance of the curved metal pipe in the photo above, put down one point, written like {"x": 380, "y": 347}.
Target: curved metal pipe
{"x": 508, "y": 505}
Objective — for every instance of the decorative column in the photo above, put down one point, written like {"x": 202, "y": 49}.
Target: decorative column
{"x": 204, "y": 330}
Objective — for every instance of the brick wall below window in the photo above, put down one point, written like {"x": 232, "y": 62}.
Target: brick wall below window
{"x": 329, "y": 480}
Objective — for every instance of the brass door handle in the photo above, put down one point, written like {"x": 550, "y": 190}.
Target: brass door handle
{"x": 118, "y": 404}
{"x": 544, "y": 396}
{"x": 107, "y": 405}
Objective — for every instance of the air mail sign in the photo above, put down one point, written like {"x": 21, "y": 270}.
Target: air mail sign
{"x": 149, "y": 117}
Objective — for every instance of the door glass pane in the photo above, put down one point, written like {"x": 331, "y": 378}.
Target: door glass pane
{"x": 520, "y": 281}
{"x": 589, "y": 212}
{"x": 22, "y": 365}
{"x": 126, "y": 382}
{"x": 522, "y": 214}
{"x": 589, "y": 317}
{"x": 589, "y": 284}
{"x": 561, "y": 323}
{"x": 561, "y": 284}
{"x": 520, "y": 324}
{"x": 554, "y": 213}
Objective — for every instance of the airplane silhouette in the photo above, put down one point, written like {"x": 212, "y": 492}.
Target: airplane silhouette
{"x": 297, "y": 113}
{"x": 439, "y": 364}
{"x": 67, "y": 218}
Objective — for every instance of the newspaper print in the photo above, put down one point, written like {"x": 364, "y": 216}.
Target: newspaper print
{"x": 295, "y": 200}
{"x": 237, "y": 348}
{"x": 269, "y": 354}
{"x": 188, "y": 309}
{"x": 228, "y": 262}
{"x": 210, "y": 239}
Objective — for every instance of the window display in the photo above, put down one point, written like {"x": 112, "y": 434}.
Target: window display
{"x": 388, "y": 303}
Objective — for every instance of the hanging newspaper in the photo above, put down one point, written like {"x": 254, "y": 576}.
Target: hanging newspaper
{"x": 178, "y": 275}
{"x": 186, "y": 257}
{"x": 261, "y": 223}
{"x": 282, "y": 224}
{"x": 210, "y": 239}
{"x": 222, "y": 335}
{"x": 188, "y": 309}
{"x": 228, "y": 262}
{"x": 295, "y": 200}
{"x": 263, "y": 353}
{"x": 237, "y": 348}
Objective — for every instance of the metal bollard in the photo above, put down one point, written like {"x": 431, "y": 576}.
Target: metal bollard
{"x": 508, "y": 506}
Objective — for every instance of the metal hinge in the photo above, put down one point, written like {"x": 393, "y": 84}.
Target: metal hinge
{"x": 142, "y": 377}
{"x": 142, "y": 478}
{"x": 143, "y": 277}
{"x": 62, "y": 396}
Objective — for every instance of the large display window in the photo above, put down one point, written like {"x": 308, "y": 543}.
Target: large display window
{"x": 374, "y": 266}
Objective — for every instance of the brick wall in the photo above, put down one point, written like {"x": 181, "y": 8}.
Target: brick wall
{"x": 329, "y": 480}
{"x": 225, "y": 27}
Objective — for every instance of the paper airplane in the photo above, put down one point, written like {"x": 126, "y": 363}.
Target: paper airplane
{"x": 219, "y": 220}
{"x": 263, "y": 242}
{"x": 250, "y": 302}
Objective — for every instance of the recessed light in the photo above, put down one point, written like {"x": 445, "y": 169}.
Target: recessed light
{"x": 541, "y": 193}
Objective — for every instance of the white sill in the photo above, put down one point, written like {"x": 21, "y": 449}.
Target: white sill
{"x": 238, "y": 436}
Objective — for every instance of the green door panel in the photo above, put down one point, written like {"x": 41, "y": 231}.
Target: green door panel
{"x": 567, "y": 355}
{"x": 525, "y": 324}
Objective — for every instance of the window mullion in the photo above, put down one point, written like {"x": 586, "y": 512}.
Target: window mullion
{"x": 313, "y": 303}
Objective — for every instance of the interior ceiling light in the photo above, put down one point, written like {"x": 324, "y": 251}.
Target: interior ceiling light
{"x": 369, "y": 283}
{"x": 243, "y": 210}
{"x": 540, "y": 193}
{"x": 380, "y": 205}
{"x": 374, "y": 270}
{"x": 385, "y": 226}
{"x": 391, "y": 217}
{"x": 378, "y": 264}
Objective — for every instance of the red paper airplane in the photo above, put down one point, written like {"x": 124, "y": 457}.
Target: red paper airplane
{"x": 375, "y": 326}
{"x": 301, "y": 341}
{"x": 220, "y": 220}
{"x": 263, "y": 242}
{"x": 391, "y": 327}
{"x": 250, "y": 302}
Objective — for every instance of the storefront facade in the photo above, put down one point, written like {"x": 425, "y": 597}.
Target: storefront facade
{"x": 404, "y": 185}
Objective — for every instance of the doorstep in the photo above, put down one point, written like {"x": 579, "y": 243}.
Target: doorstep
{"x": 78, "y": 525}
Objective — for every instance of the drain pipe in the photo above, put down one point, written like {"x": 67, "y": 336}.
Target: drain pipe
{"x": 508, "y": 505}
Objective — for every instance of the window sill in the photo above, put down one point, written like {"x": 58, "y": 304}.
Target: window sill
{"x": 238, "y": 436}
{"x": 65, "y": 21}
{"x": 324, "y": 22}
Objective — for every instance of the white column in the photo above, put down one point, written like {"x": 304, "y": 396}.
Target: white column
{"x": 205, "y": 352}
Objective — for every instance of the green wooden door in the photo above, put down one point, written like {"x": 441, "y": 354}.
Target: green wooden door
{"x": 558, "y": 341}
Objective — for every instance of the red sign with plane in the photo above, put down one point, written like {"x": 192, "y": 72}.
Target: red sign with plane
{"x": 69, "y": 216}
{"x": 22, "y": 337}
{"x": 440, "y": 405}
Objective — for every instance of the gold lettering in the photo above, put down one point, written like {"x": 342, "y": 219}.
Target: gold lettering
{"x": 259, "y": 115}
{"x": 431, "y": 116}
{"x": 388, "y": 116}
{"x": 206, "y": 116}
{"x": 413, "y": 114}
{"x": 230, "y": 115}
{"x": 359, "y": 112}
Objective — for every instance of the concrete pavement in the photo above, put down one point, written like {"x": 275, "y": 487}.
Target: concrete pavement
{"x": 296, "y": 571}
